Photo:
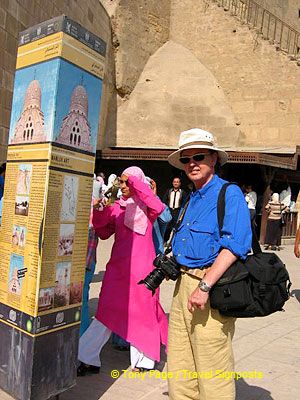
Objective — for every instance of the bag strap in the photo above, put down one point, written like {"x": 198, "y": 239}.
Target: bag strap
{"x": 221, "y": 213}
{"x": 168, "y": 249}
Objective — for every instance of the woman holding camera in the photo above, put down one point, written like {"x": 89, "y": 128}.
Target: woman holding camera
{"x": 124, "y": 307}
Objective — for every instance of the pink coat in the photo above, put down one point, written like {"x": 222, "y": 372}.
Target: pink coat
{"x": 125, "y": 307}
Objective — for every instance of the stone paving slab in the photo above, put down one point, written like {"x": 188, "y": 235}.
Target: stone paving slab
{"x": 269, "y": 345}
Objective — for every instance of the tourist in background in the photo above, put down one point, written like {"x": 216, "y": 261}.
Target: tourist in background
{"x": 275, "y": 211}
{"x": 251, "y": 199}
{"x": 174, "y": 197}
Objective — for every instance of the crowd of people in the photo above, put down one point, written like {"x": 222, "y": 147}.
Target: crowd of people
{"x": 199, "y": 337}
{"x": 196, "y": 337}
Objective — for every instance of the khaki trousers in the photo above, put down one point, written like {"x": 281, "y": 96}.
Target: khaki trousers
{"x": 200, "y": 358}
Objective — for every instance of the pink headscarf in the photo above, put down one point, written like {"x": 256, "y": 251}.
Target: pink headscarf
{"x": 136, "y": 211}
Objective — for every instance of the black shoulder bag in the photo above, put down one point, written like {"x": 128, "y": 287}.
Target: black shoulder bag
{"x": 255, "y": 287}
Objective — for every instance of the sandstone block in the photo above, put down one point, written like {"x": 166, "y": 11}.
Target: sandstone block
{"x": 295, "y": 105}
{"x": 11, "y": 25}
{"x": 2, "y": 17}
{"x": 241, "y": 107}
{"x": 265, "y": 106}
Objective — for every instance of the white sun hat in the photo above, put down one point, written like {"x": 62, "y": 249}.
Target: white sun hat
{"x": 196, "y": 139}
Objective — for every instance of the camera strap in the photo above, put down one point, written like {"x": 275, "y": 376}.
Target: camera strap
{"x": 168, "y": 248}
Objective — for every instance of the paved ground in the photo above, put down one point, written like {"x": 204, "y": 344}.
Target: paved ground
{"x": 269, "y": 345}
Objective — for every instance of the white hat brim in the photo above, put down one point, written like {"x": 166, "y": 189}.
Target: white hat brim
{"x": 173, "y": 158}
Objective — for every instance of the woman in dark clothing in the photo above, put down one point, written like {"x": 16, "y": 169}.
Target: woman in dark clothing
{"x": 274, "y": 225}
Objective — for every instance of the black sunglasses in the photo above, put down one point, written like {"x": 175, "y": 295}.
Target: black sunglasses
{"x": 195, "y": 157}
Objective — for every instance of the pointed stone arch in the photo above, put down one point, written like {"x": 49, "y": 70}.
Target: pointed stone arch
{"x": 175, "y": 92}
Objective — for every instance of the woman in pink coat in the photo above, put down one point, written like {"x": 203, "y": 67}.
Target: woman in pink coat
{"x": 124, "y": 307}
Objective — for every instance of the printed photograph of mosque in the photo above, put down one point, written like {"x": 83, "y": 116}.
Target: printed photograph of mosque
{"x": 55, "y": 101}
{"x": 16, "y": 273}
{"x": 66, "y": 239}
{"x": 76, "y": 292}
{"x": 62, "y": 284}
{"x": 33, "y": 104}
{"x": 77, "y": 108}
{"x": 46, "y": 298}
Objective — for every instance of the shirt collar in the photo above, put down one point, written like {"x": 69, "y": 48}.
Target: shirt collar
{"x": 201, "y": 192}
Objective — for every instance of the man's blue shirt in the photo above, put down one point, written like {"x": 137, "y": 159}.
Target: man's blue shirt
{"x": 197, "y": 242}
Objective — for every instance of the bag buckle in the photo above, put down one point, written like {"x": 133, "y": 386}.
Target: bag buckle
{"x": 262, "y": 290}
{"x": 227, "y": 292}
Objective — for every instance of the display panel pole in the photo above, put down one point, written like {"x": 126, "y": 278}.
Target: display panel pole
{"x": 46, "y": 206}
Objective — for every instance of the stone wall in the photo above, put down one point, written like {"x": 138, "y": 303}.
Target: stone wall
{"x": 173, "y": 64}
{"x": 287, "y": 11}
{"x": 139, "y": 29}
{"x": 261, "y": 85}
{"x": 175, "y": 92}
{"x": 15, "y": 16}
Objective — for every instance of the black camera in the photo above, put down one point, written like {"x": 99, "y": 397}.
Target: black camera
{"x": 166, "y": 267}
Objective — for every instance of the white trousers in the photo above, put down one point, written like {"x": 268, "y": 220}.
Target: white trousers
{"x": 93, "y": 340}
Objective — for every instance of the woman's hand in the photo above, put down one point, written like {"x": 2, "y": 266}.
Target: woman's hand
{"x": 99, "y": 204}
{"x": 153, "y": 186}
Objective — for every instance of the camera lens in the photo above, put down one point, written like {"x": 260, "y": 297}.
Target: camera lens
{"x": 153, "y": 280}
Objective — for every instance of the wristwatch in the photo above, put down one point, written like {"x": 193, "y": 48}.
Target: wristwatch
{"x": 204, "y": 287}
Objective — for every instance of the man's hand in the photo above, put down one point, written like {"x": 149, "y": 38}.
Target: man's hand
{"x": 296, "y": 251}
{"x": 197, "y": 299}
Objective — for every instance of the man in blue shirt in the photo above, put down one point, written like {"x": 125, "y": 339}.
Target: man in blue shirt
{"x": 200, "y": 358}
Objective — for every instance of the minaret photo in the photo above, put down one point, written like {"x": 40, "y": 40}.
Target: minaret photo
{"x": 30, "y": 125}
{"x": 75, "y": 129}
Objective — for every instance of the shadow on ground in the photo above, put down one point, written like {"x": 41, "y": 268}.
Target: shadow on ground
{"x": 251, "y": 392}
{"x": 92, "y": 387}
{"x": 98, "y": 277}
{"x": 296, "y": 293}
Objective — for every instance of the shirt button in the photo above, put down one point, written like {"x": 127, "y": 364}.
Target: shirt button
{"x": 188, "y": 224}
{"x": 178, "y": 255}
{"x": 183, "y": 240}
